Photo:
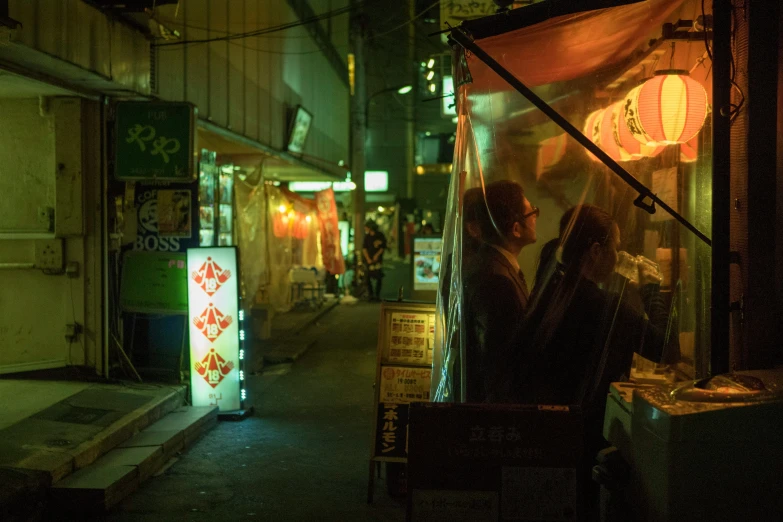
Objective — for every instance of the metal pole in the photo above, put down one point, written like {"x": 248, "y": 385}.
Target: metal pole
{"x": 410, "y": 108}
{"x": 464, "y": 40}
{"x": 358, "y": 124}
{"x": 721, "y": 186}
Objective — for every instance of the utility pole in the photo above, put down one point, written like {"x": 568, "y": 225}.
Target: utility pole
{"x": 410, "y": 112}
{"x": 358, "y": 122}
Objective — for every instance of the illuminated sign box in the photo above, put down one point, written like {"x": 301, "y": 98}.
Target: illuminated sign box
{"x": 216, "y": 373}
{"x": 374, "y": 181}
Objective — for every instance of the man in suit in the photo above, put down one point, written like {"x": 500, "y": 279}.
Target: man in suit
{"x": 495, "y": 291}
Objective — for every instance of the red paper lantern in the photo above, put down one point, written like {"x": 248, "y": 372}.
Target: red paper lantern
{"x": 668, "y": 108}
{"x": 630, "y": 148}
{"x": 606, "y": 140}
{"x": 301, "y": 226}
{"x": 592, "y": 129}
{"x": 280, "y": 224}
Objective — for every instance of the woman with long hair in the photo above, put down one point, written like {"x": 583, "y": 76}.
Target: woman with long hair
{"x": 580, "y": 337}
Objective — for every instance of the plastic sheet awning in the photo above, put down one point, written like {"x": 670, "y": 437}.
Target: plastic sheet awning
{"x": 571, "y": 39}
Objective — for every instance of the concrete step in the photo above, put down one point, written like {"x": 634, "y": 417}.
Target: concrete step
{"x": 73, "y": 433}
{"x": 99, "y": 487}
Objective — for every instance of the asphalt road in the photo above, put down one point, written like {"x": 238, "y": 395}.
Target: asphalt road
{"x": 303, "y": 456}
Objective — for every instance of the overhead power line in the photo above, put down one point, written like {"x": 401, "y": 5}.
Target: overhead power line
{"x": 265, "y": 30}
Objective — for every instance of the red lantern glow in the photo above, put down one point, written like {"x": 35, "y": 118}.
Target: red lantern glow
{"x": 606, "y": 140}
{"x": 630, "y": 148}
{"x": 668, "y": 108}
{"x": 592, "y": 129}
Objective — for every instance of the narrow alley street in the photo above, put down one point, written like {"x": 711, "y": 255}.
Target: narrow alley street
{"x": 304, "y": 454}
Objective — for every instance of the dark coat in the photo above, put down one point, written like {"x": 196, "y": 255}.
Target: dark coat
{"x": 495, "y": 300}
{"x": 571, "y": 357}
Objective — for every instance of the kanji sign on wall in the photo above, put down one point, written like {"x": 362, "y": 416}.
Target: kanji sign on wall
{"x": 213, "y": 304}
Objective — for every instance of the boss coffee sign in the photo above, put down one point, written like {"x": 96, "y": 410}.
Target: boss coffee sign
{"x": 165, "y": 218}
{"x": 213, "y": 304}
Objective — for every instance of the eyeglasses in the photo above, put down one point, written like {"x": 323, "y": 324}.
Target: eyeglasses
{"x": 535, "y": 212}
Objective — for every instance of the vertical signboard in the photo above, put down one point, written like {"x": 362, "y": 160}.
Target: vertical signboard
{"x": 213, "y": 304}
{"x": 403, "y": 376}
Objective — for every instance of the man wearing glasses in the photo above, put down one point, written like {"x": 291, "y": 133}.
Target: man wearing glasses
{"x": 495, "y": 291}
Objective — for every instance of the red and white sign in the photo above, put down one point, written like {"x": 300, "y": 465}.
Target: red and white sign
{"x": 213, "y": 304}
{"x": 330, "y": 233}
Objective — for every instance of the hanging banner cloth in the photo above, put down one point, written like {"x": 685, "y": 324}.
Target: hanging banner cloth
{"x": 571, "y": 39}
{"x": 330, "y": 233}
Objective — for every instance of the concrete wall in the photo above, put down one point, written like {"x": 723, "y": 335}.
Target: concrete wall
{"x": 27, "y": 179}
{"x": 248, "y": 84}
{"x": 49, "y": 156}
{"x": 78, "y": 34}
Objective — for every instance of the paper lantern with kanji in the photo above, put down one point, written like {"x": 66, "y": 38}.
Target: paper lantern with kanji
{"x": 630, "y": 148}
{"x": 592, "y": 129}
{"x": 606, "y": 139}
{"x": 668, "y": 108}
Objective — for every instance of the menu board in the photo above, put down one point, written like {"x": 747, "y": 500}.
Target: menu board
{"x": 403, "y": 376}
{"x": 408, "y": 339}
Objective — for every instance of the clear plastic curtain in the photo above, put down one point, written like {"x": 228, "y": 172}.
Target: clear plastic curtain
{"x": 252, "y": 237}
{"x": 600, "y": 289}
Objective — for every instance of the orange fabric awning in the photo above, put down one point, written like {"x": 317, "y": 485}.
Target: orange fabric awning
{"x": 566, "y": 47}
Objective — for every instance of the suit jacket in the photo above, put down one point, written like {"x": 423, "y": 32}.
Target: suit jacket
{"x": 496, "y": 298}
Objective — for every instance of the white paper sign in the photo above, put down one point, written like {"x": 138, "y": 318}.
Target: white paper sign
{"x": 403, "y": 384}
{"x": 408, "y": 338}
{"x": 213, "y": 304}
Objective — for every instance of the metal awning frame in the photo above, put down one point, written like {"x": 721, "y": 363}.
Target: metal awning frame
{"x": 467, "y": 43}
{"x": 721, "y": 194}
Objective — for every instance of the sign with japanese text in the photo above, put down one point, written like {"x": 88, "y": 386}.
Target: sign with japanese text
{"x": 330, "y": 233}
{"x": 391, "y": 437}
{"x": 405, "y": 384}
{"x": 213, "y": 304}
{"x": 154, "y": 141}
{"x": 454, "y": 12}
{"x": 456, "y": 506}
{"x": 154, "y": 283}
{"x": 403, "y": 375}
{"x": 528, "y": 455}
{"x": 408, "y": 338}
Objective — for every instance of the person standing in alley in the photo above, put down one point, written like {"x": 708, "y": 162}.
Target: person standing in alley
{"x": 372, "y": 251}
{"x": 495, "y": 292}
